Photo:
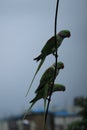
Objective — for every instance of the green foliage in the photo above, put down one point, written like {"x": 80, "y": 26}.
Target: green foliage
{"x": 82, "y": 102}
{"x": 80, "y": 125}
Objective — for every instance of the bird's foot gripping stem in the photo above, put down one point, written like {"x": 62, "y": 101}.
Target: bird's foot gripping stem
{"x": 54, "y": 53}
{"x": 48, "y": 99}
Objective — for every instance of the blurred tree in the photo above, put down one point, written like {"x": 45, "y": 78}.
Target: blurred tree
{"x": 80, "y": 125}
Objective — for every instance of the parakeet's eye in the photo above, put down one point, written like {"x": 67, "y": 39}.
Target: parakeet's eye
{"x": 62, "y": 36}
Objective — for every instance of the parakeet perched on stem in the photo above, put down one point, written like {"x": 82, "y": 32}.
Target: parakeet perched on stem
{"x": 49, "y": 48}
{"x": 40, "y": 93}
{"x": 47, "y": 77}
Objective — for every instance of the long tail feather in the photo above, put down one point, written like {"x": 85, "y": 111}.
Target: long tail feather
{"x": 37, "y": 58}
{"x": 28, "y": 110}
{"x": 46, "y": 89}
{"x": 33, "y": 101}
{"x": 42, "y": 60}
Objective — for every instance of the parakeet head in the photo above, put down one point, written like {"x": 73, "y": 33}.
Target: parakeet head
{"x": 64, "y": 33}
{"x": 60, "y": 65}
{"x": 59, "y": 87}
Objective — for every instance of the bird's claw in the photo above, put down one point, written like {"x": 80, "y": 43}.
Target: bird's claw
{"x": 54, "y": 53}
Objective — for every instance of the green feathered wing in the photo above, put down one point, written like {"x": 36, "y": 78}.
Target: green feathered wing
{"x": 46, "y": 78}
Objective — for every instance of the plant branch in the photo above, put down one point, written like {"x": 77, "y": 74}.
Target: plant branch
{"x": 56, "y": 57}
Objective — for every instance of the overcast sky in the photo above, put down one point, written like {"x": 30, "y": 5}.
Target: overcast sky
{"x": 25, "y": 26}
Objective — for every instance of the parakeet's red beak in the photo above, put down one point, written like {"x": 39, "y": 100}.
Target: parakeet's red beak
{"x": 62, "y": 66}
{"x": 69, "y": 35}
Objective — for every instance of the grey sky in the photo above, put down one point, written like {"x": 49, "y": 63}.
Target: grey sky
{"x": 25, "y": 26}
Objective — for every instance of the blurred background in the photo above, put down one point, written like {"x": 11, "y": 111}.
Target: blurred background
{"x": 25, "y": 26}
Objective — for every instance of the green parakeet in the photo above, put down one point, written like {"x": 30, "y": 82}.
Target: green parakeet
{"x": 49, "y": 48}
{"x": 40, "y": 93}
{"x": 47, "y": 77}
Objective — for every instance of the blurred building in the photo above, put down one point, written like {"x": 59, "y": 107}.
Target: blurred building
{"x": 35, "y": 121}
{"x": 63, "y": 118}
{"x": 4, "y": 125}
{"x": 37, "y": 117}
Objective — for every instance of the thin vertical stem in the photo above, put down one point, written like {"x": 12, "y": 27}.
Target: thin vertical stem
{"x": 56, "y": 56}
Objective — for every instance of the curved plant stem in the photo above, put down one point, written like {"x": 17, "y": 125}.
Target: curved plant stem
{"x": 56, "y": 57}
